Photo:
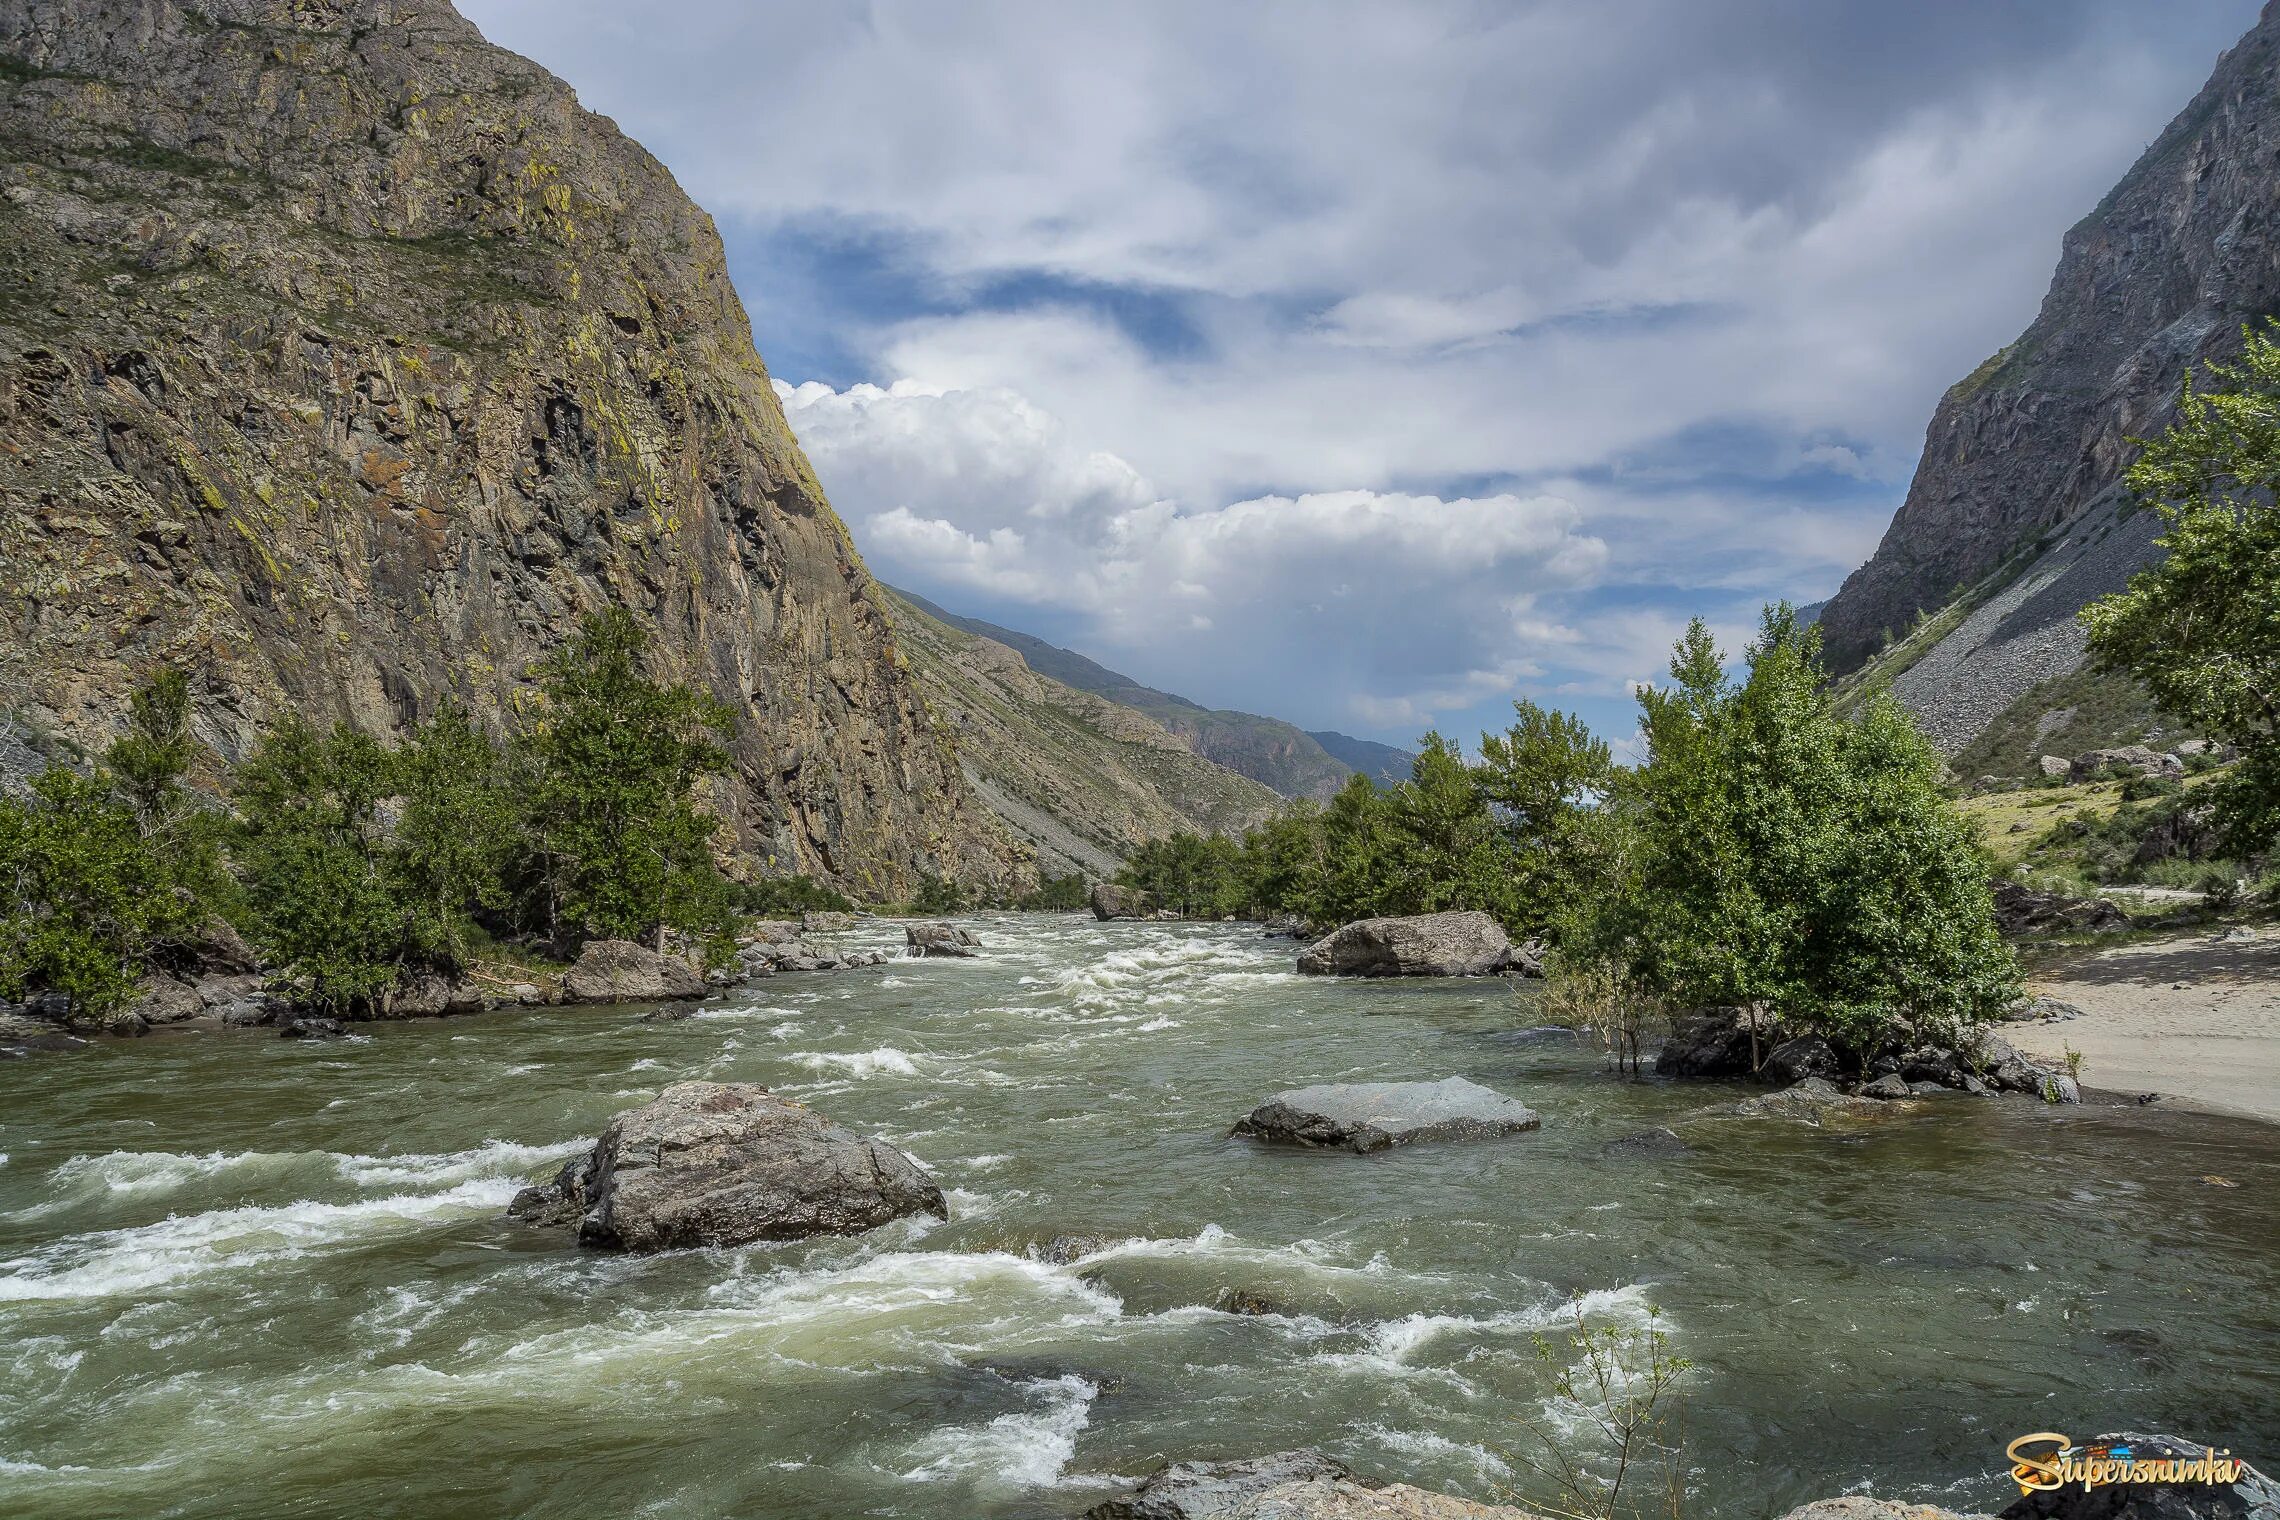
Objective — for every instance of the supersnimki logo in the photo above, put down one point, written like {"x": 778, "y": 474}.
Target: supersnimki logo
{"x": 2047, "y": 1460}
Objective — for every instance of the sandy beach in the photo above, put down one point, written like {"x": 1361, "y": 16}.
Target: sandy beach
{"x": 2196, "y": 1019}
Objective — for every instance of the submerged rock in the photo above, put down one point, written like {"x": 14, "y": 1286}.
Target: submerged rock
{"x": 938, "y": 939}
{"x": 725, "y": 1164}
{"x": 1815, "y": 1102}
{"x": 1290, "y": 1485}
{"x": 1427, "y": 944}
{"x": 1370, "y": 1116}
{"x": 1112, "y": 901}
{"x": 311, "y": 1027}
{"x": 1647, "y": 1144}
{"x": 620, "y": 971}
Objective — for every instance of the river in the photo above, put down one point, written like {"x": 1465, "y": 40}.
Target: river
{"x": 241, "y": 1275}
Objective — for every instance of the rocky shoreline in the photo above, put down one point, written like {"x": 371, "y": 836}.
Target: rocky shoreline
{"x": 218, "y": 984}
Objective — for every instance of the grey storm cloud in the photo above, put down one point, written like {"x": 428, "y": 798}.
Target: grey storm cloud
{"x": 1427, "y": 354}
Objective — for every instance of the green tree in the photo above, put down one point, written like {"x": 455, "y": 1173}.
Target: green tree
{"x": 84, "y": 899}
{"x": 148, "y": 763}
{"x": 311, "y": 849}
{"x": 459, "y": 846}
{"x": 1355, "y": 872}
{"x": 623, "y": 853}
{"x": 1794, "y": 861}
{"x": 2201, "y": 628}
{"x": 1446, "y": 849}
{"x": 1549, "y": 779}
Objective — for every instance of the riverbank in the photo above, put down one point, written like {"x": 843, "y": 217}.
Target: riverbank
{"x": 2194, "y": 1018}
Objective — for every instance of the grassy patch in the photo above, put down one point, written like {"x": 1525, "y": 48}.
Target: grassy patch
{"x": 2100, "y": 711}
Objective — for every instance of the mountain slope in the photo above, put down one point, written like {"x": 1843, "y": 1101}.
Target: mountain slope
{"x": 1382, "y": 763}
{"x": 2017, "y": 515}
{"x": 1079, "y": 778}
{"x": 1274, "y": 753}
{"x": 347, "y": 360}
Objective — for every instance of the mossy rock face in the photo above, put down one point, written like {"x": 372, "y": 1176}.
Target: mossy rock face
{"x": 346, "y": 359}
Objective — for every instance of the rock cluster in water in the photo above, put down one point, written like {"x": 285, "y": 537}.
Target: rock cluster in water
{"x": 726, "y": 1164}
{"x": 1371, "y": 1116}
{"x": 939, "y": 939}
{"x": 1718, "y": 1044}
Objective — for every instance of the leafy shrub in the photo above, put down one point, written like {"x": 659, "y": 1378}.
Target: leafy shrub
{"x": 1057, "y": 894}
{"x": 773, "y": 896}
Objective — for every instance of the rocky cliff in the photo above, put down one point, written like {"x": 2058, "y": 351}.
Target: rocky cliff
{"x": 2016, "y": 515}
{"x": 1078, "y": 778}
{"x": 347, "y": 360}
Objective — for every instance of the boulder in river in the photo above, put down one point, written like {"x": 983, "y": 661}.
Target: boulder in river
{"x": 620, "y": 971}
{"x": 2254, "y": 1497}
{"x": 1370, "y": 1116}
{"x": 938, "y": 939}
{"x": 1112, "y": 901}
{"x": 1425, "y": 944}
{"x": 1290, "y": 1485}
{"x": 725, "y": 1164}
{"x": 826, "y": 923}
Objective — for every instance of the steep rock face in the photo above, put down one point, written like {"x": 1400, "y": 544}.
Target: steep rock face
{"x": 2160, "y": 276}
{"x": 347, "y": 360}
{"x": 1079, "y": 778}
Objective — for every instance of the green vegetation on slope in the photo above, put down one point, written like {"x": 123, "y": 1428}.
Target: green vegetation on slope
{"x": 354, "y": 866}
{"x": 1081, "y": 778}
{"x": 2201, "y": 627}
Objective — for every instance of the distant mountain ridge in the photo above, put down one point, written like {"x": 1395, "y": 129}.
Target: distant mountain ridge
{"x": 1276, "y": 754}
{"x": 1079, "y": 779}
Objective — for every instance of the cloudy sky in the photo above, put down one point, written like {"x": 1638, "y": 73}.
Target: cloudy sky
{"x": 1373, "y": 364}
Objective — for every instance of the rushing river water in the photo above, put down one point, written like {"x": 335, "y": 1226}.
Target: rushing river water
{"x": 242, "y": 1276}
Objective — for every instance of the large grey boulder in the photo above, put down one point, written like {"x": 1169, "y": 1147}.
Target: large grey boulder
{"x": 826, "y": 923}
{"x": 2019, "y": 910}
{"x": 1290, "y": 1485}
{"x": 162, "y": 999}
{"x": 938, "y": 939}
{"x": 2130, "y": 757}
{"x": 1112, "y": 901}
{"x": 1369, "y": 1116}
{"x": 725, "y": 1164}
{"x": 2254, "y": 1497}
{"x": 1428, "y": 944}
{"x": 620, "y": 971}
